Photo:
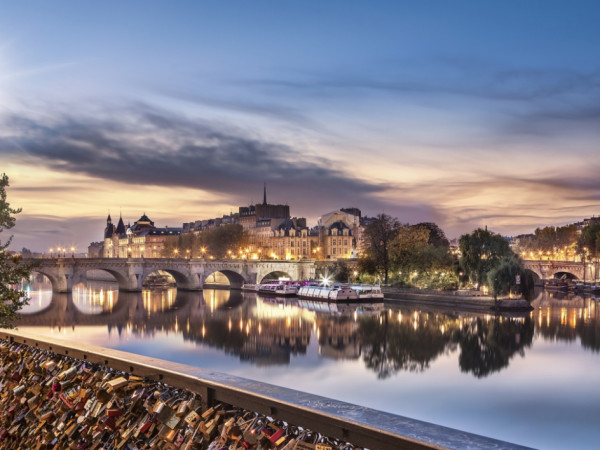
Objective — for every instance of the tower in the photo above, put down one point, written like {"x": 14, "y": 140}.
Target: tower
{"x": 265, "y": 195}
{"x": 109, "y": 231}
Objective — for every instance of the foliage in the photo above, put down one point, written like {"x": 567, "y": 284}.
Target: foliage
{"x": 12, "y": 268}
{"x": 339, "y": 271}
{"x": 215, "y": 242}
{"x": 437, "y": 237}
{"x": 481, "y": 251}
{"x": 590, "y": 240}
{"x": 549, "y": 239}
{"x": 502, "y": 278}
{"x": 413, "y": 251}
{"x": 377, "y": 237}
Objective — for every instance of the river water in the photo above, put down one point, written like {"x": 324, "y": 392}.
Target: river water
{"x": 531, "y": 380}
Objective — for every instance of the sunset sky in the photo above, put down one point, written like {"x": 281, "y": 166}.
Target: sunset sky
{"x": 462, "y": 113}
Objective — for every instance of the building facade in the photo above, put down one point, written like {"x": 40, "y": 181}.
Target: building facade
{"x": 142, "y": 240}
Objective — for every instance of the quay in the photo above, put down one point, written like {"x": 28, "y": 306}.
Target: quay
{"x": 66, "y": 395}
{"x": 455, "y": 300}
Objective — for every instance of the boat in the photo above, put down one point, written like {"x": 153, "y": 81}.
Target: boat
{"x": 557, "y": 284}
{"x": 250, "y": 287}
{"x": 280, "y": 288}
{"x": 158, "y": 281}
{"x": 334, "y": 293}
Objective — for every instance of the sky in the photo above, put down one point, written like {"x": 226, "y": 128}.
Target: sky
{"x": 464, "y": 113}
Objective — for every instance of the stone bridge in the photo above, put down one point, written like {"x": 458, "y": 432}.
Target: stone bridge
{"x": 189, "y": 274}
{"x": 575, "y": 270}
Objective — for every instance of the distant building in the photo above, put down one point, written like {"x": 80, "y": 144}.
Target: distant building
{"x": 95, "y": 250}
{"x": 272, "y": 233}
{"x": 142, "y": 240}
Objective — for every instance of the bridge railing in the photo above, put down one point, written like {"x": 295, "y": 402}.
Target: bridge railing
{"x": 356, "y": 424}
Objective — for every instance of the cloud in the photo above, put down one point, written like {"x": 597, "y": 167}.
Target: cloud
{"x": 270, "y": 111}
{"x": 142, "y": 145}
{"x": 466, "y": 77}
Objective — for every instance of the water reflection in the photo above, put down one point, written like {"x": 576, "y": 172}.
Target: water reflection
{"x": 269, "y": 331}
{"x": 427, "y": 363}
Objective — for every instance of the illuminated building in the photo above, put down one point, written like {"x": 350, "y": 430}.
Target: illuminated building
{"x": 142, "y": 240}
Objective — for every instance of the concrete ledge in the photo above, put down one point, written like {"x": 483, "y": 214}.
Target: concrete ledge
{"x": 361, "y": 426}
{"x": 456, "y": 301}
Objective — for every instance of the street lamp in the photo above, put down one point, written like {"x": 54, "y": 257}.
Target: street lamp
{"x": 72, "y": 252}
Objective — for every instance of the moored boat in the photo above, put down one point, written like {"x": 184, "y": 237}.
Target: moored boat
{"x": 283, "y": 288}
{"x": 158, "y": 281}
{"x": 555, "y": 284}
{"x": 250, "y": 287}
{"x": 334, "y": 293}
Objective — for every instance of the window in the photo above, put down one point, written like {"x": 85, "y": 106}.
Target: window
{"x": 304, "y": 244}
{"x": 346, "y": 242}
{"x": 335, "y": 242}
{"x": 334, "y": 249}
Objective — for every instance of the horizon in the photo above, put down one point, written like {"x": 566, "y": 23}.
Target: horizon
{"x": 464, "y": 114}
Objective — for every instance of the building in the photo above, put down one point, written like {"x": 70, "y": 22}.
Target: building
{"x": 340, "y": 234}
{"x": 142, "y": 240}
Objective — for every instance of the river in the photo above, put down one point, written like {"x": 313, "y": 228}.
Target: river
{"x": 531, "y": 380}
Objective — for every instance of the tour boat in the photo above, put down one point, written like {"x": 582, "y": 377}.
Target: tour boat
{"x": 284, "y": 288}
{"x": 334, "y": 293}
{"x": 342, "y": 292}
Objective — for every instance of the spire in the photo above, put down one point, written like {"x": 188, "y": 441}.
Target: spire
{"x": 265, "y": 195}
{"x": 108, "y": 219}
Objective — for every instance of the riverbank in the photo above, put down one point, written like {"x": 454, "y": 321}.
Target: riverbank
{"x": 467, "y": 300}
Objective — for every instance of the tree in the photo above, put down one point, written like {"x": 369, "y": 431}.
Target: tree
{"x": 549, "y": 240}
{"x": 502, "y": 278}
{"x": 12, "y": 268}
{"x": 437, "y": 237}
{"x": 377, "y": 237}
{"x": 415, "y": 250}
{"x": 589, "y": 240}
{"x": 481, "y": 251}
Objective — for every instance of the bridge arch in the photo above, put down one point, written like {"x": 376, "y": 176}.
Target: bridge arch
{"x": 236, "y": 280}
{"x": 61, "y": 282}
{"x": 275, "y": 275}
{"x": 565, "y": 275}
